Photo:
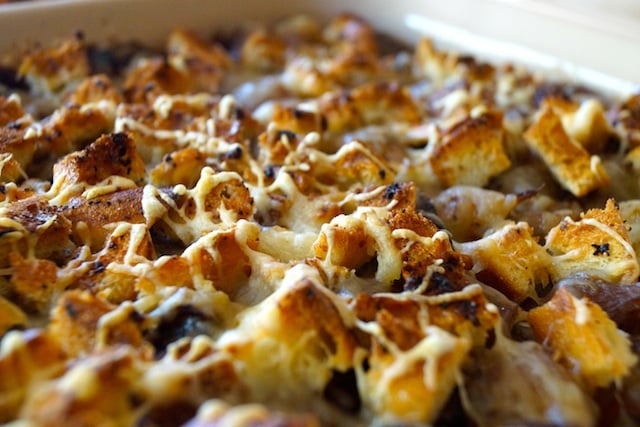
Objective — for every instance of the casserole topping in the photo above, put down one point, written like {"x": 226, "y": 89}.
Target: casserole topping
{"x": 309, "y": 224}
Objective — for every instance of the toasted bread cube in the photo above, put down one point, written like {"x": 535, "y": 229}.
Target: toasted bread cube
{"x": 16, "y": 149}
{"x": 471, "y": 152}
{"x": 26, "y": 358}
{"x": 583, "y": 339}
{"x": 127, "y": 242}
{"x": 187, "y": 44}
{"x": 292, "y": 340}
{"x": 511, "y": 260}
{"x": 112, "y": 154}
{"x": 568, "y": 161}
{"x": 75, "y": 323}
{"x": 32, "y": 224}
{"x": 263, "y": 52}
{"x": 347, "y": 245}
{"x": 597, "y": 244}
{"x": 73, "y": 126}
{"x": 16, "y": 153}
{"x": 49, "y": 70}
{"x": 203, "y": 63}
{"x": 89, "y": 217}
{"x": 33, "y": 281}
{"x": 412, "y": 386}
{"x": 223, "y": 260}
{"x": 357, "y": 165}
{"x": 351, "y": 31}
{"x": 347, "y": 58}
{"x": 465, "y": 313}
{"x": 151, "y": 78}
{"x": 585, "y": 122}
{"x": 11, "y": 111}
{"x": 352, "y": 240}
{"x": 297, "y": 121}
{"x": 432, "y": 63}
{"x": 95, "y": 89}
{"x": 11, "y": 170}
{"x": 417, "y": 348}
{"x": 180, "y": 167}
{"x": 368, "y": 104}
{"x": 303, "y": 77}
{"x": 96, "y": 390}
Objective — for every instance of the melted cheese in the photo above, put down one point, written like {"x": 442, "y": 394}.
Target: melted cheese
{"x": 81, "y": 381}
{"x": 111, "y": 319}
{"x": 34, "y": 130}
{"x": 372, "y": 220}
{"x": 157, "y": 203}
{"x": 583, "y": 315}
{"x": 12, "y": 342}
{"x": 429, "y": 350}
{"x": 264, "y": 355}
{"x": 6, "y": 158}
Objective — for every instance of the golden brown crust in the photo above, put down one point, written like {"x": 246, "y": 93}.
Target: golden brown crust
{"x": 33, "y": 282}
{"x": 428, "y": 375}
{"x": 263, "y": 52}
{"x": 201, "y": 63}
{"x": 454, "y": 158}
{"x": 36, "y": 357}
{"x": 598, "y": 244}
{"x": 368, "y": 104}
{"x": 95, "y": 89}
{"x": 71, "y": 127}
{"x": 571, "y": 164}
{"x": 74, "y": 322}
{"x": 10, "y": 110}
{"x": 50, "y": 70}
{"x": 569, "y": 326}
{"x": 58, "y": 404}
{"x": 113, "y": 154}
{"x": 16, "y": 153}
{"x": 35, "y": 228}
{"x": 498, "y": 259}
{"x": 90, "y": 218}
{"x": 152, "y": 78}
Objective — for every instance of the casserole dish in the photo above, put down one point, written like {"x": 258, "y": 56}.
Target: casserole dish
{"x": 246, "y": 214}
{"x": 599, "y": 42}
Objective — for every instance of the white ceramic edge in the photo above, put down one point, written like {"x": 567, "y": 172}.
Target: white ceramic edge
{"x": 495, "y": 29}
{"x": 499, "y": 51}
{"x": 554, "y": 31}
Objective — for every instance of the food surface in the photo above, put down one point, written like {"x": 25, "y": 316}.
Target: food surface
{"x": 310, "y": 224}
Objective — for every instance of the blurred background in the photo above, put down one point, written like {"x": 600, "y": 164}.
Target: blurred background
{"x": 600, "y": 36}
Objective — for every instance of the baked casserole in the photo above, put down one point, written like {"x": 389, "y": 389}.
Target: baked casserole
{"x": 307, "y": 223}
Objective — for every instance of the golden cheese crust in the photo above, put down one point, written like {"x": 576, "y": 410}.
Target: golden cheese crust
{"x": 306, "y": 224}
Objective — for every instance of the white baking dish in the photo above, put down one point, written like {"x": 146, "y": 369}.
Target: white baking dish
{"x": 593, "y": 42}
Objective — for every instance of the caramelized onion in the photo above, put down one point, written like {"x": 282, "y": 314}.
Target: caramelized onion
{"x": 518, "y": 384}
